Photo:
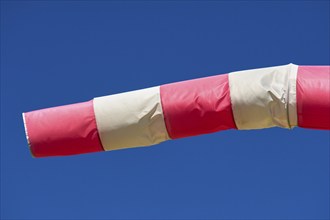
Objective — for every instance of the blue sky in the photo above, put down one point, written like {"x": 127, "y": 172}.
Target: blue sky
{"x": 56, "y": 53}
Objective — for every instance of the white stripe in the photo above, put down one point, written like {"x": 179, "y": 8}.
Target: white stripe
{"x": 265, "y": 97}
{"x": 130, "y": 119}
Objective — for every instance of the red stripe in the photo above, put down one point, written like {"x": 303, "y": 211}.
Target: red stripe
{"x": 313, "y": 97}
{"x": 64, "y": 130}
{"x": 197, "y": 106}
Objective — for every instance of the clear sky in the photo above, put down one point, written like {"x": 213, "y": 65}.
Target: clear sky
{"x": 56, "y": 53}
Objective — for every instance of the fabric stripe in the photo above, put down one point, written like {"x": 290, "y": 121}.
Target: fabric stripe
{"x": 264, "y": 97}
{"x": 64, "y": 130}
{"x": 313, "y": 97}
{"x": 197, "y": 106}
{"x": 130, "y": 119}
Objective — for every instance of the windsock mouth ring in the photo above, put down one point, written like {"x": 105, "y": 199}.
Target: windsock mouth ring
{"x": 27, "y": 135}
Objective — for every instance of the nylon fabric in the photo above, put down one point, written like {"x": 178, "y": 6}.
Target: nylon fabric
{"x": 265, "y": 97}
{"x": 197, "y": 106}
{"x": 313, "y": 97}
{"x": 130, "y": 119}
{"x": 63, "y": 130}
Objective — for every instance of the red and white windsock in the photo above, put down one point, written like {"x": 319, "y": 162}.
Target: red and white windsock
{"x": 284, "y": 96}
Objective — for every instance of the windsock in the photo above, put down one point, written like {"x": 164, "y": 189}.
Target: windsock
{"x": 284, "y": 96}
